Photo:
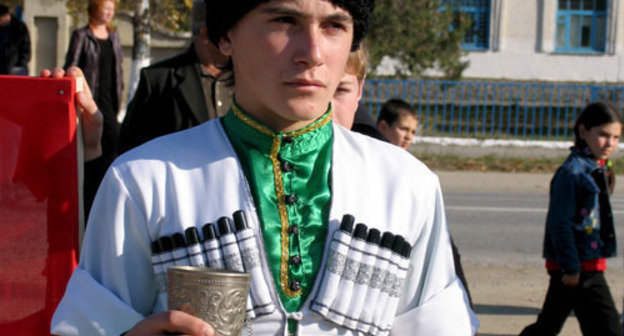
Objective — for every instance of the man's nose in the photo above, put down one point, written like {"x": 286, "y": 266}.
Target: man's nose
{"x": 309, "y": 51}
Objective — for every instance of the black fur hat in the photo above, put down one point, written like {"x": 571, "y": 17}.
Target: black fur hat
{"x": 221, "y": 15}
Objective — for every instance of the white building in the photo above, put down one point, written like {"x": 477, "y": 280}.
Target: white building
{"x": 546, "y": 40}
{"x": 529, "y": 40}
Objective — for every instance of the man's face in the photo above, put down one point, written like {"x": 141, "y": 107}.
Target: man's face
{"x": 289, "y": 56}
{"x": 346, "y": 99}
{"x": 401, "y": 132}
{"x": 5, "y": 19}
{"x": 208, "y": 53}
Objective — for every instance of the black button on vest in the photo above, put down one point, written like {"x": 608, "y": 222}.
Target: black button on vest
{"x": 294, "y": 286}
{"x": 290, "y": 199}
{"x": 295, "y": 260}
{"x": 293, "y": 229}
{"x": 286, "y": 167}
{"x": 287, "y": 139}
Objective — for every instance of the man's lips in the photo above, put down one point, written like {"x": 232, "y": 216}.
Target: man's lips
{"x": 305, "y": 83}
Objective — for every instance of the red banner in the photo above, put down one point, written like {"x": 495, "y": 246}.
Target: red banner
{"x": 38, "y": 200}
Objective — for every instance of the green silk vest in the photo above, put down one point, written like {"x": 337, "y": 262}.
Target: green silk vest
{"x": 289, "y": 177}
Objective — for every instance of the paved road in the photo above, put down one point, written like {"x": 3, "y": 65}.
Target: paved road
{"x": 505, "y": 228}
{"x": 497, "y": 221}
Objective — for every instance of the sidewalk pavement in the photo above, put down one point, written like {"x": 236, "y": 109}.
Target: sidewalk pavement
{"x": 507, "y": 299}
{"x": 493, "y": 181}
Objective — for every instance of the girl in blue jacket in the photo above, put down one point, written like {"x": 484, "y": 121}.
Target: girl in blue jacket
{"x": 579, "y": 230}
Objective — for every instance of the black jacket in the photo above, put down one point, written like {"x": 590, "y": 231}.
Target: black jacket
{"x": 84, "y": 51}
{"x": 14, "y": 46}
{"x": 365, "y": 124}
{"x": 579, "y": 223}
{"x": 169, "y": 98}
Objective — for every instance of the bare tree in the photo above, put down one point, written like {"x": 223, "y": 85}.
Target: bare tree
{"x": 141, "y": 46}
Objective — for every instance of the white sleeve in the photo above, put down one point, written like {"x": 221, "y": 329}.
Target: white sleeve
{"x": 113, "y": 287}
{"x": 433, "y": 301}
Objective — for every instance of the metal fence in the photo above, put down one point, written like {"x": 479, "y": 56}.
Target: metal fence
{"x": 491, "y": 109}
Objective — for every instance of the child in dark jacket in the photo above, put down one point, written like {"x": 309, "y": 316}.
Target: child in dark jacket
{"x": 579, "y": 230}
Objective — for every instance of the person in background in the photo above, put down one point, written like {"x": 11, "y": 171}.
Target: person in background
{"x": 398, "y": 122}
{"x": 14, "y": 44}
{"x": 180, "y": 92}
{"x": 580, "y": 232}
{"x": 346, "y": 101}
{"x": 96, "y": 49}
{"x": 347, "y": 97}
{"x": 349, "y": 113}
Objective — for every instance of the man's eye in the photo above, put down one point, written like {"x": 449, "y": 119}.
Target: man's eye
{"x": 336, "y": 25}
{"x": 284, "y": 19}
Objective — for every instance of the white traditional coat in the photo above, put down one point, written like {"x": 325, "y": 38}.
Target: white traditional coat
{"x": 193, "y": 177}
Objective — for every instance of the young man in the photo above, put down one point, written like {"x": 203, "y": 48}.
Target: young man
{"x": 345, "y": 103}
{"x": 349, "y": 91}
{"x": 398, "y": 122}
{"x": 277, "y": 156}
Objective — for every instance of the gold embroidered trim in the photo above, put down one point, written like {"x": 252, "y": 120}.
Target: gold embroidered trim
{"x": 281, "y": 205}
{"x": 242, "y": 116}
{"x": 319, "y": 124}
{"x": 279, "y": 189}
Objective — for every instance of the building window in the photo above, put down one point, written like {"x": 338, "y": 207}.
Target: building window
{"x": 581, "y": 26}
{"x": 478, "y": 12}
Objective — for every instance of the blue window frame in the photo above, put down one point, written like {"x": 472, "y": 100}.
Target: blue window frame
{"x": 581, "y": 26}
{"x": 478, "y": 11}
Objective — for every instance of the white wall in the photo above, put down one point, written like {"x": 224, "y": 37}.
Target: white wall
{"x": 523, "y": 49}
{"x": 47, "y": 9}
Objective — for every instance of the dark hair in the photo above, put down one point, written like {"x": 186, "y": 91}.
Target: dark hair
{"x": 394, "y": 109}
{"x": 597, "y": 114}
{"x": 4, "y": 10}
{"x": 222, "y": 15}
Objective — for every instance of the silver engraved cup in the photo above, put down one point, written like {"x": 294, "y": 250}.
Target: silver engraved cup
{"x": 216, "y": 296}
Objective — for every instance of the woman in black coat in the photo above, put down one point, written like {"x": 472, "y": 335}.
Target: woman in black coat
{"x": 95, "y": 48}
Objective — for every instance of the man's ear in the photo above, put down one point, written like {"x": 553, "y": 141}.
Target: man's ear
{"x": 360, "y": 89}
{"x": 225, "y": 45}
{"x": 203, "y": 34}
{"x": 382, "y": 125}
